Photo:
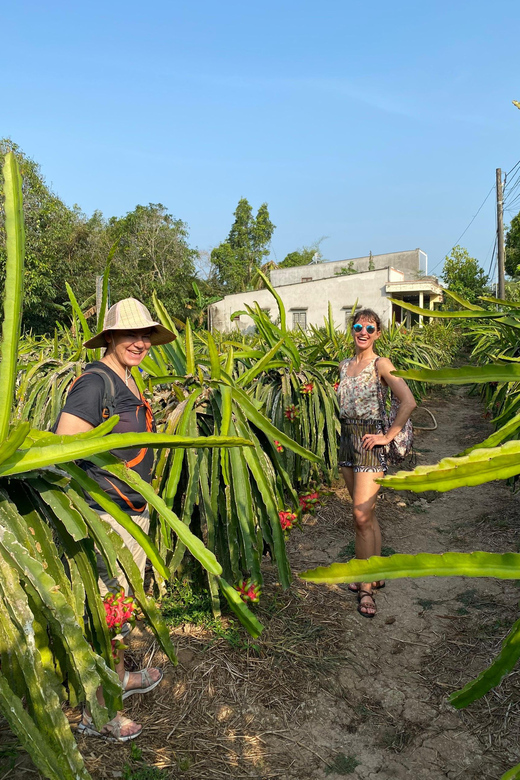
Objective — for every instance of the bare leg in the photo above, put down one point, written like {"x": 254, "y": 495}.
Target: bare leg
{"x": 367, "y": 530}
{"x": 134, "y": 678}
{"x": 130, "y": 727}
{"x": 348, "y": 476}
{"x": 354, "y": 483}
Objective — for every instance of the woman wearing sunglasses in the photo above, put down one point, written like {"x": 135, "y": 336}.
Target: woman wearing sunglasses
{"x": 362, "y": 455}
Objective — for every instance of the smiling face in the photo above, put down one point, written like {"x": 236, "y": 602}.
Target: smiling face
{"x": 363, "y": 339}
{"x": 128, "y": 347}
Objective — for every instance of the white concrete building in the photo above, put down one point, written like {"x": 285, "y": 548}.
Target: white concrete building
{"x": 364, "y": 282}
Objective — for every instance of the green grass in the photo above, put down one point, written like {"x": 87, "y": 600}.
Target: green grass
{"x": 426, "y": 604}
{"x": 143, "y": 772}
{"x": 418, "y": 509}
{"x": 138, "y": 769}
{"x": 342, "y": 765}
{"x": 472, "y": 598}
{"x": 184, "y": 604}
{"x": 8, "y": 754}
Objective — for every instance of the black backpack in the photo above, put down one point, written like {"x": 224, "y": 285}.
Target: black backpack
{"x": 109, "y": 392}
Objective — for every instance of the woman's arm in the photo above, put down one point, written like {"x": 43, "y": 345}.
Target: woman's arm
{"x": 83, "y": 408}
{"x": 69, "y": 425}
{"x": 406, "y": 405}
{"x": 400, "y": 389}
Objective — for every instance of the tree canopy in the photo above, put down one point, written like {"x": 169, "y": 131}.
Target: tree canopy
{"x": 235, "y": 260}
{"x": 462, "y": 274}
{"x": 152, "y": 254}
{"x": 512, "y": 263}
{"x": 64, "y": 245}
{"x": 56, "y": 237}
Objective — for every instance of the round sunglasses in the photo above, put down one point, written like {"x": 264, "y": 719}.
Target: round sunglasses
{"x": 358, "y": 327}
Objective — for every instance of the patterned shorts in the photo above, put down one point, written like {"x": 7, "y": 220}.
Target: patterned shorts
{"x": 351, "y": 452}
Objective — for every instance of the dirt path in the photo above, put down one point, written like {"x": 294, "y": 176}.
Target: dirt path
{"x": 430, "y": 637}
{"x": 325, "y": 693}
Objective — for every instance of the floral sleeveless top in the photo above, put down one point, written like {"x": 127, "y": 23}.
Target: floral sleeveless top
{"x": 357, "y": 395}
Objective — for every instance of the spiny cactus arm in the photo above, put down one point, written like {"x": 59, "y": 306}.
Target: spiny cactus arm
{"x": 147, "y": 605}
{"x": 490, "y": 677}
{"x": 193, "y": 543}
{"x": 85, "y": 662}
{"x": 479, "y": 466}
{"x": 40, "y": 683}
{"x": 53, "y": 454}
{"x": 504, "y": 566}
{"x": 15, "y": 247}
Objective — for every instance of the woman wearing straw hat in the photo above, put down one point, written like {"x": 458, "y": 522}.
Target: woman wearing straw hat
{"x": 128, "y": 332}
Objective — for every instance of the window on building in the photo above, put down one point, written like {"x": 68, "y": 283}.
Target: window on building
{"x": 306, "y": 278}
{"x": 299, "y": 317}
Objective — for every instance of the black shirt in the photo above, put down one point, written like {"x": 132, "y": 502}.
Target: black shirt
{"x": 85, "y": 400}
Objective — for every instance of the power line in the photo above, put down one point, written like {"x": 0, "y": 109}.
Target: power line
{"x": 512, "y": 195}
{"x": 491, "y": 262}
{"x": 513, "y": 184}
{"x": 512, "y": 169}
{"x": 493, "y": 266}
{"x": 470, "y": 224}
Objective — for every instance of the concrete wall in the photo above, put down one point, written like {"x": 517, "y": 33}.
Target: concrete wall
{"x": 409, "y": 262}
{"x": 367, "y": 288}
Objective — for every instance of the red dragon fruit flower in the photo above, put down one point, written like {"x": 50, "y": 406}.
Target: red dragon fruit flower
{"x": 287, "y": 520}
{"x": 248, "y": 591}
{"x": 292, "y": 412}
{"x": 119, "y": 609}
{"x": 278, "y": 447}
{"x": 307, "y": 388}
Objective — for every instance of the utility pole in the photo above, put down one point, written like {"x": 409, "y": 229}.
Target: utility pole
{"x": 99, "y": 297}
{"x": 500, "y": 236}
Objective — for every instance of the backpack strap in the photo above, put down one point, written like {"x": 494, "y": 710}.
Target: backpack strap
{"x": 109, "y": 393}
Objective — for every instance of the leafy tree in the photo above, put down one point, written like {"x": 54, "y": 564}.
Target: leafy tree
{"x": 463, "y": 275}
{"x": 302, "y": 256}
{"x": 55, "y": 237}
{"x": 299, "y": 257}
{"x": 198, "y": 305}
{"x": 513, "y": 291}
{"x": 235, "y": 260}
{"x": 513, "y": 248}
{"x": 64, "y": 245}
{"x": 152, "y": 254}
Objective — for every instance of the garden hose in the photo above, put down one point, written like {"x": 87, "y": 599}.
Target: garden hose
{"x": 421, "y": 427}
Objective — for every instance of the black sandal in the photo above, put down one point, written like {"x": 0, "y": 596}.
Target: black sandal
{"x": 361, "y": 595}
{"x": 353, "y": 587}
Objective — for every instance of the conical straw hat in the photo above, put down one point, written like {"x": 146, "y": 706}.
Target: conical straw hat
{"x": 130, "y": 314}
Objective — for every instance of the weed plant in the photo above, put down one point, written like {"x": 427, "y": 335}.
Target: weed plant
{"x": 185, "y": 603}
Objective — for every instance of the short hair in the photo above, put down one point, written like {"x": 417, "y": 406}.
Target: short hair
{"x": 367, "y": 314}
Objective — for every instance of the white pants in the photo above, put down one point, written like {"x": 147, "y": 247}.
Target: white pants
{"x": 114, "y": 584}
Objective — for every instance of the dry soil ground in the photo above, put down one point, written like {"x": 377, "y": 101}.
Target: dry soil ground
{"x": 325, "y": 693}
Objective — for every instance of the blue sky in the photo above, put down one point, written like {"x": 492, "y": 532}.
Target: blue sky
{"x": 377, "y": 125}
